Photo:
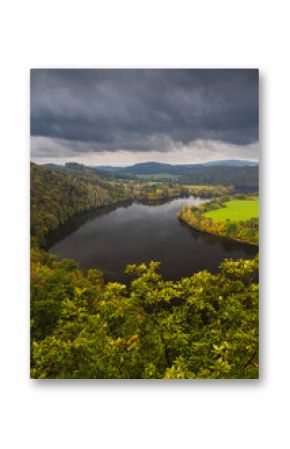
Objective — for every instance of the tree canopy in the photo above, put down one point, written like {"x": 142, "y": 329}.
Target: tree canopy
{"x": 203, "y": 326}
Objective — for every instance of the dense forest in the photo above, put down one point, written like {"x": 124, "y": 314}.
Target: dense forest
{"x": 202, "y": 326}
{"x": 244, "y": 179}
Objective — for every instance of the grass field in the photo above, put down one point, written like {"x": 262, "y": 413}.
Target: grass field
{"x": 236, "y": 210}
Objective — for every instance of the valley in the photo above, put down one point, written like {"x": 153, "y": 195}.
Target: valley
{"x": 127, "y": 290}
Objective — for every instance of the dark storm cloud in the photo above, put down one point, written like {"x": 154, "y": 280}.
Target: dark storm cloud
{"x": 144, "y": 110}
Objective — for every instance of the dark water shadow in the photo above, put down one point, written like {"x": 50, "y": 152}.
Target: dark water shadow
{"x": 78, "y": 220}
{"x": 227, "y": 244}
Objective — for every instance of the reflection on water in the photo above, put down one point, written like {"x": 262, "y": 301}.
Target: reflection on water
{"x": 113, "y": 237}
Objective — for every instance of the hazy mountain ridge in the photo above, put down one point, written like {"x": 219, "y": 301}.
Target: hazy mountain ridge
{"x": 158, "y": 167}
{"x": 243, "y": 175}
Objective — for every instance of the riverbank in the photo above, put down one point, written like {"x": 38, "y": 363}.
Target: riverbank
{"x": 56, "y": 197}
{"x": 235, "y": 219}
{"x": 139, "y": 233}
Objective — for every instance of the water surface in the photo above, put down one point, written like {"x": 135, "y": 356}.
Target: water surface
{"x": 113, "y": 237}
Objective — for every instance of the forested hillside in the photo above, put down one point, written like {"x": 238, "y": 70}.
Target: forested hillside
{"x": 242, "y": 177}
{"x": 57, "y": 194}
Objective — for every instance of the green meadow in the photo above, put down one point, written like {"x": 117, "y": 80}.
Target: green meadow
{"x": 236, "y": 210}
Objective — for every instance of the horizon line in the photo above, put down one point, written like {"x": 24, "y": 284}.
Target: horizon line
{"x": 147, "y": 162}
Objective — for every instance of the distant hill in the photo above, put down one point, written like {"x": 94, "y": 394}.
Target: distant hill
{"x": 231, "y": 163}
{"x": 146, "y": 168}
{"x": 50, "y": 165}
{"x": 81, "y": 169}
{"x": 243, "y": 175}
{"x": 154, "y": 167}
{"x": 106, "y": 168}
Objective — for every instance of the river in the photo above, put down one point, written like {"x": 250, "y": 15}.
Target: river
{"x": 113, "y": 237}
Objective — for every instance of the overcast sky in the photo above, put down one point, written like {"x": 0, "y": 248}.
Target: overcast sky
{"x": 120, "y": 117}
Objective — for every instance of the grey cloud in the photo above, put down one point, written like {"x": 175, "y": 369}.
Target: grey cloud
{"x": 144, "y": 110}
{"x": 47, "y": 149}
